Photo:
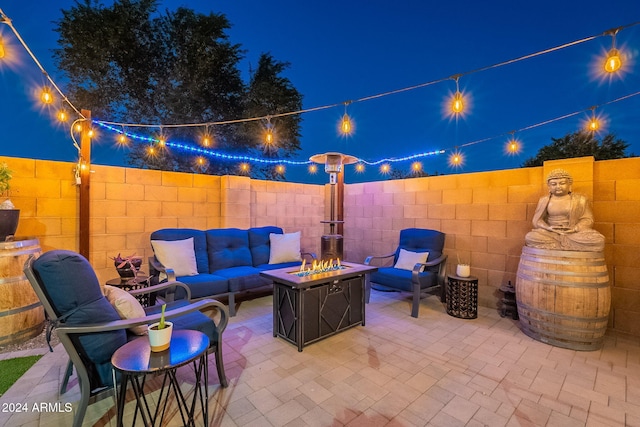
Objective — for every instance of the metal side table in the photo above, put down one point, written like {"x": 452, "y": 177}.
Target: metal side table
{"x": 135, "y": 360}
{"x": 462, "y": 296}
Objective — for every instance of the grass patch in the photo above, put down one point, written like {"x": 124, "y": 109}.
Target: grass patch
{"x": 12, "y": 369}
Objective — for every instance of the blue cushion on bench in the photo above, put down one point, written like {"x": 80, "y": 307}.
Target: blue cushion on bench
{"x": 228, "y": 247}
{"x": 260, "y": 244}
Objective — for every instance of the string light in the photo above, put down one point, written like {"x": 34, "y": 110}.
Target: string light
{"x": 313, "y": 169}
{"x": 385, "y": 168}
{"x": 456, "y": 159}
{"x": 62, "y": 115}
{"x": 2, "y": 53}
{"x": 46, "y": 96}
{"x": 280, "y": 169}
{"x": 613, "y": 62}
{"x": 457, "y": 102}
{"x": 416, "y": 167}
{"x": 244, "y": 168}
{"x": 346, "y": 124}
{"x": 360, "y": 167}
{"x": 207, "y": 139}
{"x": 513, "y": 145}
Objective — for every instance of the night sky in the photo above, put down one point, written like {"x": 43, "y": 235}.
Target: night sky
{"x": 341, "y": 51}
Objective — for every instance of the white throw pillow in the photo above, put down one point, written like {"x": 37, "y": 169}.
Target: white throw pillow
{"x": 127, "y": 306}
{"x": 178, "y": 255}
{"x": 407, "y": 259}
{"x": 284, "y": 247}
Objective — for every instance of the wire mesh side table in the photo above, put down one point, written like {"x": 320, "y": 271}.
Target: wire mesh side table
{"x": 462, "y": 296}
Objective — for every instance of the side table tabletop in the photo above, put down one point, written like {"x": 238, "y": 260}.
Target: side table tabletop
{"x": 130, "y": 284}
{"x": 462, "y": 296}
{"x": 135, "y": 360}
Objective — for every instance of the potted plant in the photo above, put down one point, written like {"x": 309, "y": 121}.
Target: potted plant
{"x": 128, "y": 266}
{"x": 160, "y": 333}
{"x": 9, "y": 215}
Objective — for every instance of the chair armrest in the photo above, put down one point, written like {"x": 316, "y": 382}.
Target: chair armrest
{"x": 128, "y": 323}
{"x": 440, "y": 262}
{"x": 156, "y": 267}
{"x": 368, "y": 260}
{"x": 160, "y": 286}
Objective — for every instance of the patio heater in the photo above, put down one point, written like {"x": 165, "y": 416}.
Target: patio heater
{"x": 331, "y": 245}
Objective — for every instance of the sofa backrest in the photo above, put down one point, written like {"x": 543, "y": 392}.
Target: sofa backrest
{"x": 199, "y": 243}
{"x": 260, "y": 244}
{"x": 228, "y": 247}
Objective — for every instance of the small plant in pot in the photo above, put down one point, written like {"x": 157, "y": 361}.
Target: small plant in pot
{"x": 9, "y": 215}
{"x": 127, "y": 267}
{"x": 160, "y": 333}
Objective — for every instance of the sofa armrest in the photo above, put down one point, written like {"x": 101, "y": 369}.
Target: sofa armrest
{"x": 171, "y": 285}
{"x": 156, "y": 269}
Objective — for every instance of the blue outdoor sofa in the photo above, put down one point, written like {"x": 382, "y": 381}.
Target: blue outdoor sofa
{"x": 227, "y": 260}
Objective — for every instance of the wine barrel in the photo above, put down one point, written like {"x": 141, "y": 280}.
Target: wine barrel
{"x": 21, "y": 314}
{"x": 563, "y": 297}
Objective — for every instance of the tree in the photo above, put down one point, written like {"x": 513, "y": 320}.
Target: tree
{"x": 580, "y": 144}
{"x": 128, "y": 63}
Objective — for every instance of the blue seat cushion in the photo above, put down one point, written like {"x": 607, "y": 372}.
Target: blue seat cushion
{"x": 72, "y": 287}
{"x": 203, "y": 285}
{"x": 260, "y": 244}
{"x": 401, "y": 279}
{"x": 243, "y": 278}
{"x": 228, "y": 247}
{"x": 199, "y": 243}
{"x": 421, "y": 240}
{"x": 195, "y": 321}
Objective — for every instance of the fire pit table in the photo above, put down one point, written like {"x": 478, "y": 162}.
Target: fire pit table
{"x": 309, "y": 306}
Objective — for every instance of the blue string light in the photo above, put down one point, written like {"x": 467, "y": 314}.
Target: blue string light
{"x": 243, "y": 158}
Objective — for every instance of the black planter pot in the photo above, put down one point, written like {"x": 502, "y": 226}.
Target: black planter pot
{"x": 126, "y": 272}
{"x": 8, "y": 223}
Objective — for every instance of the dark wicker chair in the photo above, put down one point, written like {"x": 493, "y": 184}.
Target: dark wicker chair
{"x": 91, "y": 330}
{"x": 423, "y": 277}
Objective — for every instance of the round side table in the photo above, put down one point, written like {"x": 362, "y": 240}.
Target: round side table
{"x": 130, "y": 284}
{"x": 135, "y": 360}
{"x": 462, "y": 296}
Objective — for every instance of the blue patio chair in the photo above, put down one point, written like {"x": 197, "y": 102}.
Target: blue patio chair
{"x": 409, "y": 271}
{"x": 90, "y": 328}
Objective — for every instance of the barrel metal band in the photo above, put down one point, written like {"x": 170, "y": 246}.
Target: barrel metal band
{"x": 563, "y": 316}
{"x": 20, "y": 309}
{"x": 584, "y": 285}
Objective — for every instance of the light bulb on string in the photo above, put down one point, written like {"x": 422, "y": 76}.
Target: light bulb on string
{"x": 62, "y": 115}
{"x": 416, "y": 167}
{"x": 457, "y": 103}
{"x": 313, "y": 169}
{"x": 2, "y": 52}
{"x": 595, "y": 123}
{"x": 280, "y": 169}
{"x": 46, "y": 96}
{"x": 122, "y": 138}
{"x": 385, "y": 168}
{"x": 207, "y": 139}
{"x": 456, "y": 159}
{"x": 613, "y": 62}
{"x": 269, "y": 137}
{"x": 346, "y": 123}
{"x": 513, "y": 145}
{"x": 244, "y": 168}
{"x": 360, "y": 167}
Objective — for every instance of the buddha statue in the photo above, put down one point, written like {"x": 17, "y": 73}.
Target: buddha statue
{"x": 563, "y": 220}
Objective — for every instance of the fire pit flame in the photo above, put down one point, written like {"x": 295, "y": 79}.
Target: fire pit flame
{"x": 319, "y": 267}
